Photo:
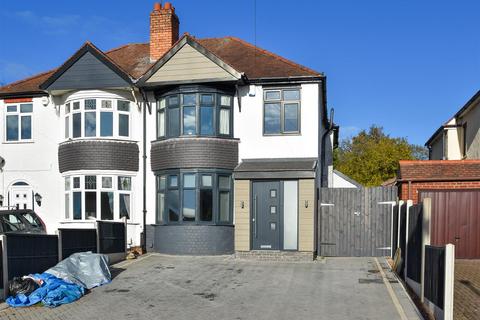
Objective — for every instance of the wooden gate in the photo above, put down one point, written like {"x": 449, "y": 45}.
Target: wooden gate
{"x": 456, "y": 220}
{"x": 356, "y": 222}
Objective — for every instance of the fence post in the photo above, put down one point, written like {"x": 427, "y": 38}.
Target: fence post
{"x": 126, "y": 228}
{"x": 98, "y": 236}
{"x": 405, "y": 263}
{"x": 400, "y": 204}
{"x": 449, "y": 281}
{"x": 60, "y": 246}
{"x": 3, "y": 238}
{"x": 427, "y": 211}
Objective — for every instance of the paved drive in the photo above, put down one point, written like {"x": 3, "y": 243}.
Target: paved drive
{"x": 166, "y": 287}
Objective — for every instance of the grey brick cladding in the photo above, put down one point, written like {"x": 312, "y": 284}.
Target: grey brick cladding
{"x": 190, "y": 239}
{"x": 179, "y": 153}
{"x": 98, "y": 155}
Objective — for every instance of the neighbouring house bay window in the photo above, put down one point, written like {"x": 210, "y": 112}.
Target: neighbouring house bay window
{"x": 18, "y": 122}
{"x": 281, "y": 111}
{"x": 200, "y": 197}
{"x": 97, "y": 197}
{"x": 97, "y": 118}
{"x": 194, "y": 114}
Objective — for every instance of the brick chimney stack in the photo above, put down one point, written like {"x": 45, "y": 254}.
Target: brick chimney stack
{"x": 163, "y": 29}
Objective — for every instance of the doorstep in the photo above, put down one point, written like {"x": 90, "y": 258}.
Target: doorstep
{"x": 276, "y": 255}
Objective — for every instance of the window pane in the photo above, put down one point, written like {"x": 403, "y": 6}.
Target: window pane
{"x": 272, "y": 95}
{"x": 124, "y": 205}
{"x": 107, "y": 182}
{"x": 124, "y": 183}
{"x": 67, "y": 206}
{"x": 189, "y": 120}
{"x": 106, "y": 205}
{"x": 67, "y": 183}
{"x": 206, "y": 121}
{"x": 76, "y": 182}
{"x": 162, "y": 183}
{"x": 67, "y": 108}
{"x": 224, "y": 207}
{"x": 173, "y": 122}
{"x": 189, "y": 205}
{"x": 173, "y": 181}
{"x": 160, "y": 206}
{"x": 291, "y": 117}
{"x": 90, "y": 205}
{"x": 90, "y": 124}
{"x": 77, "y": 125}
{"x": 123, "y": 125}
{"x": 90, "y": 182}
{"x": 11, "y": 108}
{"x": 106, "y": 124}
{"x": 173, "y": 212}
{"x": 173, "y": 101}
{"x": 106, "y": 104}
{"x": 12, "y": 128}
{"x": 90, "y": 104}
{"x": 123, "y": 105}
{"x": 206, "y": 180}
{"x": 189, "y": 181}
{"x": 206, "y": 99}
{"x": 224, "y": 126}
{"x": 162, "y": 104}
{"x": 291, "y": 94}
{"x": 67, "y": 127}
{"x": 189, "y": 99}
{"x": 272, "y": 118}
{"x": 26, "y": 108}
{"x": 206, "y": 204}
{"x": 76, "y": 105}
{"x": 161, "y": 124}
{"x": 26, "y": 131}
{"x": 225, "y": 101}
{"x": 224, "y": 182}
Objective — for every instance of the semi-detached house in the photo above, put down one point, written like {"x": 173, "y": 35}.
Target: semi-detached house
{"x": 218, "y": 144}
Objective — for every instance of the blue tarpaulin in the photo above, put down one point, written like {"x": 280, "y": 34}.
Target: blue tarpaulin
{"x": 52, "y": 293}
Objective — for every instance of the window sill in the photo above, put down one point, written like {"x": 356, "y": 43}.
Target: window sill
{"x": 99, "y": 139}
{"x": 19, "y": 142}
{"x": 294, "y": 134}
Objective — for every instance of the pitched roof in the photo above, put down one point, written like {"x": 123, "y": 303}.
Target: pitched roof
{"x": 439, "y": 170}
{"x": 134, "y": 59}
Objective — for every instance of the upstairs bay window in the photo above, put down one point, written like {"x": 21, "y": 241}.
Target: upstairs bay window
{"x": 281, "y": 111}
{"x": 18, "y": 122}
{"x": 194, "y": 114}
{"x": 102, "y": 197}
{"x": 97, "y": 118}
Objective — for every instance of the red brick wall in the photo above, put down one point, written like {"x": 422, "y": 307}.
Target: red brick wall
{"x": 164, "y": 29}
{"x": 403, "y": 193}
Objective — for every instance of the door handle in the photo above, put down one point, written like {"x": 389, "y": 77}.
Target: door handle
{"x": 255, "y": 216}
{"x": 457, "y": 238}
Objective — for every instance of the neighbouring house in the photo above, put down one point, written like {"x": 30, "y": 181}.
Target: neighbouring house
{"x": 340, "y": 180}
{"x": 459, "y": 137}
{"x": 206, "y": 146}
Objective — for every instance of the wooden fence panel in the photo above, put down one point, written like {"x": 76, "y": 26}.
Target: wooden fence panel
{"x": 111, "y": 237}
{"x": 356, "y": 222}
{"x": 434, "y": 286}
{"x": 77, "y": 240}
{"x": 414, "y": 251}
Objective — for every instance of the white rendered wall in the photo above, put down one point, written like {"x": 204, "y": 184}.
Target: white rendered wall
{"x": 339, "y": 182}
{"x": 248, "y": 127}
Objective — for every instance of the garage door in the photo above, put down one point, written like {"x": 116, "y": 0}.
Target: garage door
{"x": 456, "y": 220}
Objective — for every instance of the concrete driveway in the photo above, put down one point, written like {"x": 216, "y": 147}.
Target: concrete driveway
{"x": 166, "y": 287}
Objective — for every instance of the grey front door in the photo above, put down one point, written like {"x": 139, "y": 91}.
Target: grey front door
{"x": 266, "y": 215}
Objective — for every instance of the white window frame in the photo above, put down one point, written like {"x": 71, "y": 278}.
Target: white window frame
{"x": 20, "y": 116}
{"x": 99, "y": 188}
{"x": 98, "y": 110}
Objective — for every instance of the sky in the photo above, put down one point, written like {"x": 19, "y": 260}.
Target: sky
{"x": 405, "y": 65}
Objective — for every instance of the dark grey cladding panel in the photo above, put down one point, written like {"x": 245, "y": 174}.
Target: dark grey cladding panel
{"x": 88, "y": 72}
{"x": 194, "y": 153}
{"x": 98, "y": 155}
{"x": 190, "y": 239}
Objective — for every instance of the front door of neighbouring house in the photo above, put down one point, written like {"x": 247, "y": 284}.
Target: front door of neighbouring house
{"x": 266, "y": 212}
{"x": 20, "y": 196}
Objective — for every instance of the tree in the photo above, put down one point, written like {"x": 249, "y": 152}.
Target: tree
{"x": 372, "y": 157}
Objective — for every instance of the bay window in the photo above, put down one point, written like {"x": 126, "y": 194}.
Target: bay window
{"x": 194, "y": 197}
{"x": 18, "y": 122}
{"x": 281, "y": 111}
{"x": 94, "y": 118}
{"x": 102, "y": 197}
{"x": 197, "y": 113}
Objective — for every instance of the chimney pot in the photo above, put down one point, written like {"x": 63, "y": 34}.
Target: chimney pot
{"x": 157, "y": 6}
{"x": 168, "y": 5}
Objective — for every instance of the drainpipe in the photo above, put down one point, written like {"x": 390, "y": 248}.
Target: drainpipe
{"x": 144, "y": 164}
{"x": 325, "y": 135}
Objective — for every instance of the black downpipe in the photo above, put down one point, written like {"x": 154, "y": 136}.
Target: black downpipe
{"x": 144, "y": 146}
{"x": 323, "y": 154}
